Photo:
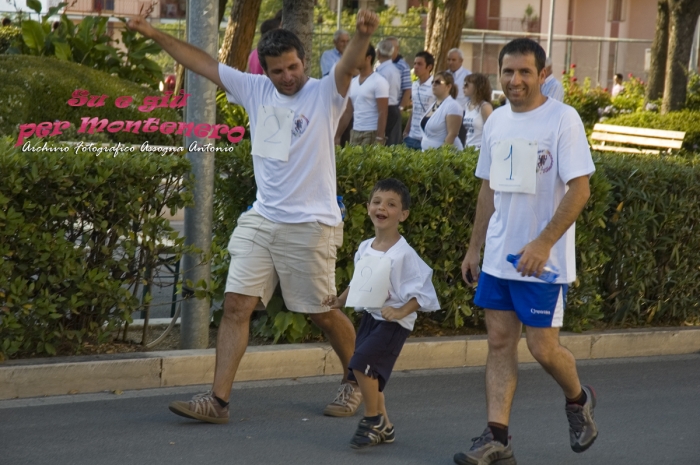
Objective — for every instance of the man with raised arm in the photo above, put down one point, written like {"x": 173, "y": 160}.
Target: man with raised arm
{"x": 292, "y": 233}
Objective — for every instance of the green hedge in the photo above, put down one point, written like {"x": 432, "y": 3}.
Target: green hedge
{"x": 71, "y": 264}
{"x": 685, "y": 120}
{"x": 36, "y": 89}
{"x": 444, "y": 192}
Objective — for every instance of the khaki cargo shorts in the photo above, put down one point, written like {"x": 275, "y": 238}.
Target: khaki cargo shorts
{"x": 300, "y": 257}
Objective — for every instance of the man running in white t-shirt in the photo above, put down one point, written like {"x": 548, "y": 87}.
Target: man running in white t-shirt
{"x": 292, "y": 232}
{"x": 535, "y": 164}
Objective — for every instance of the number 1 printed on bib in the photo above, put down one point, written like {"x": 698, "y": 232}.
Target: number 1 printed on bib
{"x": 273, "y": 132}
{"x": 514, "y": 166}
{"x": 370, "y": 282}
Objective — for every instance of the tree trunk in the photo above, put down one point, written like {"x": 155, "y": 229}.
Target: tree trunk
{"x": 298, "y": 17}
{"x": 445, "y": 22}
{"x": 684, "y": 16}
{"x": 659, "y": 49}
{"x": 240, "y": 31}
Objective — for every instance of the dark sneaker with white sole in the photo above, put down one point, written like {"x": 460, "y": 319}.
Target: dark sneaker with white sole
{"x": 371, "y": 434}
{"x": 486, "y": 451}
{"x": 582, "y": 428}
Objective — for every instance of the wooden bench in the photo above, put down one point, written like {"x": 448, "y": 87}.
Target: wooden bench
{"x": 629, "y": 138}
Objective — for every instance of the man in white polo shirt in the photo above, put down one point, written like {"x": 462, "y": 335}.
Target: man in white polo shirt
{"x": 455, "y": 59}
{"x": 292, "y": 233}
{"x": 367, "y": 105}
{"x": 422, "y": 96}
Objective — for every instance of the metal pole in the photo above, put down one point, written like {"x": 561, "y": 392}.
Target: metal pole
{"x": 340, "y": 8}
{"x": 550, "y": 33}
{"x": 481, "y": 59}
{"x": 597, "y": 65}
{"x": 202, "y": 32}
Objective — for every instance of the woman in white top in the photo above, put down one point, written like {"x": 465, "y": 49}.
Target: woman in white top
{"x": 478, "y": 89}
{"x": 443, "y": 119}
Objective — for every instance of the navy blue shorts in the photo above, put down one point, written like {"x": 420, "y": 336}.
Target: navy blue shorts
{"x": 377, "y": 346}
{"x": 540, "y": 305}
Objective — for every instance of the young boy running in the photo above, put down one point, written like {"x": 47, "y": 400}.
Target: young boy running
{"x": 406, "y": 281}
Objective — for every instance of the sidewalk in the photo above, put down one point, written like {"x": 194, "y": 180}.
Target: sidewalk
{"x": 84, "y": 374}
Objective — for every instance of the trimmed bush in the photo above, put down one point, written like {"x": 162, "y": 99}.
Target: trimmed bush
{"x": 653, "y": 273}
{"x": 77, "y": 236}
{"x": 685, "y": 120}
{"x": 36, "y": 89}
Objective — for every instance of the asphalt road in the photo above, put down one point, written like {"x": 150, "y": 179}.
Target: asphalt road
{"x": 648, "y": 413}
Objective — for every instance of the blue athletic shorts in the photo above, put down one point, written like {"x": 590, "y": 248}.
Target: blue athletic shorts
{"x": 540, "y": 305}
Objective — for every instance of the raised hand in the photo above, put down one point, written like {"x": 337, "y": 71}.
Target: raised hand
{"x": 367, "y": 22}
{"x": 140, "y": 24}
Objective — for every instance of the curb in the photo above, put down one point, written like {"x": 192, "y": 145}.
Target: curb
{"x": 85, "y": 374}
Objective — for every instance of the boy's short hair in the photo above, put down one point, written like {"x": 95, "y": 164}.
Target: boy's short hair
{"x": 396, "y": 186}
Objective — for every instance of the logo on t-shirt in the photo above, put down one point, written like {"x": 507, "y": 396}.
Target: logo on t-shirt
{"x": 299, "y": 126}
{"x": 545, "y": 161}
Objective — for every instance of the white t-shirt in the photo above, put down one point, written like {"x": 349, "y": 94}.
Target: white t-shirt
{"x": 364, "y": 100}
{"x": 410, "y": 277}
{"x": 393, "y": 76}
{"x": 473, "y": 122}
{"x": 423, "y": 98}
{"x": 436, "y": 128}
{"x": 617, "y": 88}
{"x": 563, "y": 155}
{"x": 459, "y": 76}
{"x": 302, "y": 189}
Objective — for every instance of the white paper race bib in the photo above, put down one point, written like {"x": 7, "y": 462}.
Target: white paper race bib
{"x": 370, "y": 282}
{"x": 273, "y": 132}
{"x": 514, "y": 166}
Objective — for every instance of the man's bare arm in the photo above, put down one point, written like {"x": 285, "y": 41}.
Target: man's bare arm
{"x": 536, "y": 253}
{"x": 484, "y": 210}
{"x": 356, "y": 51}
{"x": 189, "y": 56}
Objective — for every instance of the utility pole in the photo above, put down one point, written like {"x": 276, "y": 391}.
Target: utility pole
{"x": 550, "y": 33}
{"x": 202, "y": 32}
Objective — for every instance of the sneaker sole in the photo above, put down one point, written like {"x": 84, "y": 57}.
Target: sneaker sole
{"x": 195, "y": 416}
{"x": 462, "y": 459}
{"x": 579, "y": 448}
{"x": 335, "y": 413}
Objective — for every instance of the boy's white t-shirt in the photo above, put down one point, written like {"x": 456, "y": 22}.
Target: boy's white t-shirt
{"x": 302, "y": 189}
{"x": 410, "y": 277}
{"x": 436, "y": 128}
{"x": 364, "y": 100}
{"x": 563, "y": 154}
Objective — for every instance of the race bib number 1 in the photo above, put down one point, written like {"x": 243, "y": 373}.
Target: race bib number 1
{"x": 370, "y": 282}
{"x": 273, "y": 133}
{"x": 514, "y": 166}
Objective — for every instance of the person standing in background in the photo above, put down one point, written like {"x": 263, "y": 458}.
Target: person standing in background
{"x": 477, "y": 89}
{"x": 617, "y": 85}
{"x": 400, "y": 63}
{"x": 331, "y": 57}
{"x": 422, "y": 96}
{"x": 367, "y": 106}
{"x": 552, "y": 87}
{"x": 268, "y": 25}
{"x": 442, "y": 122}
{"x": 385, "y": 50}
{"x": 455, "y": 58}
